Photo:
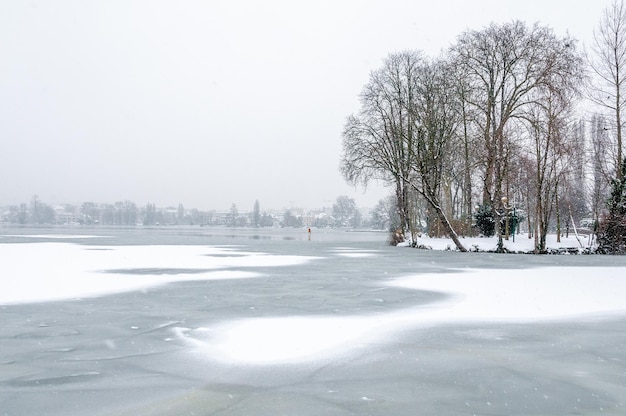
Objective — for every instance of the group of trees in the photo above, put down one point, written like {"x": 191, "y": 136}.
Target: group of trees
{"x": 122, "y": 213}
{"x": 127, "y": 213}
{"x": 255, "y": 219}
{"x": 492, "y": 124}
{"x": 37, "y": 212}
{"x": 344, "y": 213}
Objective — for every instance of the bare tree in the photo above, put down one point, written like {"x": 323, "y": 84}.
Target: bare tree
{"x": 436, "y": 119}
{"x": 403, "y": 133}
{"x": 384, "y": 214}
{"x": 376, "y": 142}
{"x": 609, "y": 66}
{"x": 234, "y": 215}
{"x": 600, "y": 175}
{"x": 553, "y": 134}
{"x": 256, "y": 214}
{"x": 345, "y": 211}
{"x": 468, "y": 139}
{"x": 573, "y": 193}
{"x": 547, "y": 124}
{"x": 505, "y": 65}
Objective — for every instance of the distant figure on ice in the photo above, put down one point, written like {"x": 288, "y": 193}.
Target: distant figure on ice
{"x": 309, "y": 233}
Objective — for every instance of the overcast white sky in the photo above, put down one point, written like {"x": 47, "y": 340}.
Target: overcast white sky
{"x": 210, "y": 103}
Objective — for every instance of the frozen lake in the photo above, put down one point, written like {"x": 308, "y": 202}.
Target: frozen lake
{"x": 204, "y": 321}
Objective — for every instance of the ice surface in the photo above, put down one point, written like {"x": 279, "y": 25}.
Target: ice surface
{"x": 48, "y": 271}
{"x": 290, "y": 326}
{"x": 475, "y": 295}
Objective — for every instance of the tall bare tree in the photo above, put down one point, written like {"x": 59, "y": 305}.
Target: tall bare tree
{"x": 547, "y": 125}
{"x": 377, "y": 140}
{"x": 505, "y": 65}
{"x": 402, "y": 132}
{"x": 609, "y": 65}
{"x": 469, "y": 135}
{"x": 436, "y": 117}
{"x": 552, "y": 125}
{"x": 600, "y": 176}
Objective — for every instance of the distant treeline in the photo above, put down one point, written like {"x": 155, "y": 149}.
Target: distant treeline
{"x": 344, "y": 213}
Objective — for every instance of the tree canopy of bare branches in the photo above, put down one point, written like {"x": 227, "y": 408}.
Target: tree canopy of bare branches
{"x": 377, "y": 141}
{"x": 492, "y": 119}
{"x": 506, "y": 67}
{"x": 608, "y": 64}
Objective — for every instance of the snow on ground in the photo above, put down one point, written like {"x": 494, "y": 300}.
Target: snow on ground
{"x": 38, "y": 272}
{"x": 521, "y": 244}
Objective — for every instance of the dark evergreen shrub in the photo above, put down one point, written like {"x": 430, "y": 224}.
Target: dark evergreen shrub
{"x": 484, "y": 220}
{"x": 612, "y": 233}
{"x": 486, "y": 224}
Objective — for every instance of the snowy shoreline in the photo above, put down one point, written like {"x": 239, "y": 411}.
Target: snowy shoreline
{"x": 521, "y": 244}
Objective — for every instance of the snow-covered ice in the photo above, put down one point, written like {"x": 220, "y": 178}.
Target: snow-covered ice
{"x": 317, "y": 326}
{"x": 524, "y": 295}
{"x": 53, "y": 271}
{"x": 38, "y": 272}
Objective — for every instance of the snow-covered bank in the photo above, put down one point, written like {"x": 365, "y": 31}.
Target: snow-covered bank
{"x": 520, "y": 244}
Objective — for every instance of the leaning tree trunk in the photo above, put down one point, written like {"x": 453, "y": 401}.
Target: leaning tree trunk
{"x": 441, "y": 215}
{"x": 443, "y": 219}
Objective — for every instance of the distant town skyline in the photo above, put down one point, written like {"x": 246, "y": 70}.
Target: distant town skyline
{"x": 321, "y": 205}
{"x": 342, "y": 213}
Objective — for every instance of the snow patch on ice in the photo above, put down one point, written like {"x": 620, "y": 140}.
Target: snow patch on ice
{"x": 478, "y": 295}
{"x": 353, "y": 252}
{"x": 524, "y": 294}
{"x": 288, "y": 339}
{"x": 33, "y": 272}
{"x": 55, "y": 236}
{"x": 39, "y": 272}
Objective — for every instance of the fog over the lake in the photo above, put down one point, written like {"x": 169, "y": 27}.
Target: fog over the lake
{"x": 210, "y": 103}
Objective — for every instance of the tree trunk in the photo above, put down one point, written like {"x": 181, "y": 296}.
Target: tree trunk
{"x": 402, "y": 200}
{"x": 441, "y": 215}
{"x": 558, "y": 215}
{"x": 443, "y": 220}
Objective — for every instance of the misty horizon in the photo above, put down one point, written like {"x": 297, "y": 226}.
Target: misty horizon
{"x": 209, "y": 104}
